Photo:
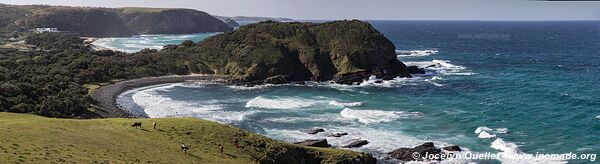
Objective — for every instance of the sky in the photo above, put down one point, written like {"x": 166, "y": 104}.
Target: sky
{"x": 519, "y": 10}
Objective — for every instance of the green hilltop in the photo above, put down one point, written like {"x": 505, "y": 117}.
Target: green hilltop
{"x": 28, "y": 138}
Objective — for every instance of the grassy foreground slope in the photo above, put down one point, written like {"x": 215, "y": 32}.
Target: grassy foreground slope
{"x": 28, "y": 138}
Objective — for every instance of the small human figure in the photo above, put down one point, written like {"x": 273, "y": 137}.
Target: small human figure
{"x": 184, "y": 148}
{"x": 221, "y": 148}
{"x": 153, "y": 125}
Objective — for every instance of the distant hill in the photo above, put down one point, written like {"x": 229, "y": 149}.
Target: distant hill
{"x": 109, "y": 22}
{"x": 257, "y": 19}
{"x": 171, "y": 21}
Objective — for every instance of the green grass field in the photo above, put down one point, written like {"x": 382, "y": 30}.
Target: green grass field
{"x": 26, "y": 138}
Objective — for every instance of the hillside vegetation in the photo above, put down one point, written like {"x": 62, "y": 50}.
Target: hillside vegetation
{"x": 50, "y": 81}
{"x": 108, "y": 22}
{"x": 28, "y": 138}
{"x": 274, "y": 52}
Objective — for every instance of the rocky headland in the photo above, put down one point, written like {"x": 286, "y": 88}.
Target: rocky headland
{"x": 345, "y": 52}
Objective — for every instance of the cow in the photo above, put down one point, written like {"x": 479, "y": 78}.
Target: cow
{"x": 184, "y": 148}
{"x": 137, "y": 125}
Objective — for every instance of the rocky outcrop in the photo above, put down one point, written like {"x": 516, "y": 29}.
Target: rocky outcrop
{"x": 452, "y": 148}
{"x": 171, "y": 21}
{"x": 342, "y": 51}
{"x": 407, "y": 154}
{"x": 338, "y": 134}
{"x": 415, "y": 70}
{"x": 315, "y": 131}
{"x": 356, "y": 143}
{"x": 314, "y": 143}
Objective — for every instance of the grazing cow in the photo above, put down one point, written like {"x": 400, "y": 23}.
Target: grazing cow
{"x": 137, "y": 125}
{"x": 153, "y": 125}
{"x": 184, "y": 148}
{"x": 221, "y": 148}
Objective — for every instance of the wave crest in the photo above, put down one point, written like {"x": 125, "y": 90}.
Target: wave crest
{"x": 377, "y": 116}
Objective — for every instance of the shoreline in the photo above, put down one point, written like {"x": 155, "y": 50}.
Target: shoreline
{"x": 105, "y": 97}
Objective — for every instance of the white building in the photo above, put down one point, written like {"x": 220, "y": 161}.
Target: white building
{"x": 43, "y": 30}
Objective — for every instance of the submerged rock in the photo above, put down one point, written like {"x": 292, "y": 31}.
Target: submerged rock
{"x": 452, "y": 148}
{"x": 314, "y": 143}
{"x": 315, "y": 131}
{"x": 346, "y": 52}
{"x": 406, "y": 154}
{"x": 338, "y": 134}
{"x": 356, "y": 143}
{"x": 415, "y": 70}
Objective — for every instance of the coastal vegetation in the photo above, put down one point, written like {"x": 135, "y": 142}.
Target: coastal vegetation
{"x": 34, "y": 139}
{"x": 50, "y": 80}
{"x": 107, "y": 22}
{"x": 58, "y": 72}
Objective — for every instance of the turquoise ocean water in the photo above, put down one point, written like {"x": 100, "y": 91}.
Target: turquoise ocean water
{"x": 501, "y": 87}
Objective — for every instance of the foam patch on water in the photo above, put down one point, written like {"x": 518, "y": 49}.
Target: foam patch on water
{"x": 380, "y": 140}
{"x": 443, "y": 67}
{"x": 509, "y": 151}
{"x": 281, "y": 103}
{"x": 255, "y": 87}
{"x": 484, "y": 134}
{"x": 151, "y": 41}
{"x": 345, "y": 104}
{"x": 416, "y": 53}
{"x": 377, "y": 116}
{"x": 157, "y": 106}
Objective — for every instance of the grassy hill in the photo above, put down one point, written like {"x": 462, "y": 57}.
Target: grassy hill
{"x": 34, "y": 139}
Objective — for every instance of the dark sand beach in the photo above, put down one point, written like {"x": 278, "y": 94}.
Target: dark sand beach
{"x": 106, "y": 96}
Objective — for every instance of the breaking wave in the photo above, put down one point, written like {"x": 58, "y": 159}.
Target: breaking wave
{"x": 377, "y": 116}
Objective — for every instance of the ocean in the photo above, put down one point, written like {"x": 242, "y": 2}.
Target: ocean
{"x": 499, "y": 87}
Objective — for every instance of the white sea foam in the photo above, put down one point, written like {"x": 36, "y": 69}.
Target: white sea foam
{"x": 152, "y": 41}
{"x": 481, "y": 129}
{"x": 443, "y": 67}
{"x": 509, "y": 151}
{"x": 345, "y": 104}
{"x": 281, "y": 103}
{"x": 484, "y": 134}
{"x": 156, "y": 106}
{"x": 402, "y": 53}
{"x": 598, "y": 116}
{"x": 377, "y": 116}
{"x": 255, "y": 87}
{"x": 501, "y": 130}
{"x": 380, "y": 140}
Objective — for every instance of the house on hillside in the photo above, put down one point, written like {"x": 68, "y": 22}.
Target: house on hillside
{"x": 44, "y": 29}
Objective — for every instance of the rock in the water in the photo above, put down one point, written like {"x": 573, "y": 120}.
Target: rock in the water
{"x": 452, "y": 148}
{"x": 338, "y": 134}
{"x": 356, "y": 143}
{"x": 406, "y": 154}
{"x": 314, "y": 143}
{"x": 415, "y": 70}
{"x": 315, "y": 131}
{"x": 346, "y": 52}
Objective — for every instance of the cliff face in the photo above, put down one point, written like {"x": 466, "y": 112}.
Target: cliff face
{"x": 171, "y": 21}
{"x": 273, "y": 52}
{"x": 109, "y": 22}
